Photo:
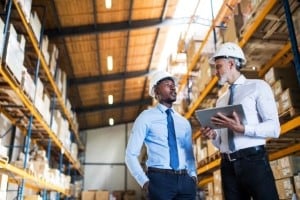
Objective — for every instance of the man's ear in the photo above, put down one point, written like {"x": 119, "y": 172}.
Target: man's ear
{"x": 232, "y": 64}
{"x": 157, "y": 93}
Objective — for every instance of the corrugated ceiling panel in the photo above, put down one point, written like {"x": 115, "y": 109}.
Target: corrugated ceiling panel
{"x": 134, "y": 88}
{"x": 112, "y": 88}
{"x": 91, "y": 94}
{"x": 75, "y": 12}
{"x": 147, "y": 9}
{"x": 118, "y": 13}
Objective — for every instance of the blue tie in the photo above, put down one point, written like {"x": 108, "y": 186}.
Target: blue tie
{"x": 230, "y": 135}
{"x": 174, "y": 162}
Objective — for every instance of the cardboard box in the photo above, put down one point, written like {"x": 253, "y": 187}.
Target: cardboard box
{"x": 28, "y": 85}
{"x": 297, "y": 185}
{"x": 218, "y": 197}
{"x": 285, "y": 167}
{"x": 285, "y": 188}
{"x": 102, "y": 195}
{"x": 3, "y": 185}
{"x": 1, "y": 34}
{"x": 275, "y": 169}
{"x": 289, "y": 98}
{"x": 15, "y": 55}
{"x": 286, "y": 74}
{"x": 210, "y": 189}
{"x": 33, "y": 197}
{"x": 217, "y": 182}
{"x": 26, "y": 8}
{"x": 88, "y": 195}
{"x": 35, "y": 25}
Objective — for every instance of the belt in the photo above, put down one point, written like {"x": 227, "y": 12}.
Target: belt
{"x": 168, "y": 171}
{"x": 242, "y": 153}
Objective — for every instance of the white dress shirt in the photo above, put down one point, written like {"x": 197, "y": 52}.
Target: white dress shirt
{"x": 261, "y": 114}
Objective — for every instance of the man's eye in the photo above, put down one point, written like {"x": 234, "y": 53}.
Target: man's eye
{"x": 169, "y": 85}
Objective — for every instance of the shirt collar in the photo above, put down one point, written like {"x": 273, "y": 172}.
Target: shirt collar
{"x": 163, "y": 108}
{"x": 241, "y": 80}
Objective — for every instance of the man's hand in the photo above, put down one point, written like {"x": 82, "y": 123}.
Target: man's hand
{"x": 195, "y": 179}
{"x": 208, "y": 133}
{"x": 232, "y": 123}
{"x": 145, "y": 186}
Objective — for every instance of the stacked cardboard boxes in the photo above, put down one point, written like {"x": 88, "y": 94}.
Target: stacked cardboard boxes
{"x": 26, "y": 8}
{"x": 15, "y": 53}
{"x": 284, "y": 170}
{"x": 285, "y": 87}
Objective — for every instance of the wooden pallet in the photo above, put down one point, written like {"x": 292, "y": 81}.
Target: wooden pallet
{"x": 289, "y": 114}
{"x": 209, "y": 159}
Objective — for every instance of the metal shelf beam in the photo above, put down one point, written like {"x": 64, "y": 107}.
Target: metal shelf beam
{"x": 34, "y": 181}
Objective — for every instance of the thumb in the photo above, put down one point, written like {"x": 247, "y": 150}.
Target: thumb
{"x": 236, "y": 117}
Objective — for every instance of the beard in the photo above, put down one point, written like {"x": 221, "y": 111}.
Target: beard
{"x": 223, "y": 79}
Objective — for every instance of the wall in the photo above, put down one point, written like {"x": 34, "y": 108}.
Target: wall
{"x": 104, "y": 165}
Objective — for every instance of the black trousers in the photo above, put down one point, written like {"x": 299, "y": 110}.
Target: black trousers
{"x": 248, "y": 176}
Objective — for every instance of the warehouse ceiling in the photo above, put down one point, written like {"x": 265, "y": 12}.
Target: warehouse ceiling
{"x": 134, "y": 35}
{"x": 87, "y": 33}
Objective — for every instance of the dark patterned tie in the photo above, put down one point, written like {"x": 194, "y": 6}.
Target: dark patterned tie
{"x": 230, "y": 135}
{"x": 174, "y": 162}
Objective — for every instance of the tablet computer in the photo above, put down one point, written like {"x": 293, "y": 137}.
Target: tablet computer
{"x": 204, "y": 115}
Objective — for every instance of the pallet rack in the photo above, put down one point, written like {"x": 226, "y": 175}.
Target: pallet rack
{"x": 23, "y": 114}
{"x": 205, "y": 170}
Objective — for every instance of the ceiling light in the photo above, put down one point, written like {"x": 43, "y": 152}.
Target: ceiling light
{"x": 111, "y": 121}
{"x": 109, "y": 63}
{"x": 108, "y": 4}
{"x": 110, "y": 99}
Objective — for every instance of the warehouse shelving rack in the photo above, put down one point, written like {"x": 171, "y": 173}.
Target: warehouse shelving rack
{"x": 27, "y": 118}
{"x": 45, "y": 67}
{"x": 225, "y": 10}
{"x": 286, "y": 127}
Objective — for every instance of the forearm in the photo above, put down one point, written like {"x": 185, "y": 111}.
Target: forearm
{"x": 135, "y": 169}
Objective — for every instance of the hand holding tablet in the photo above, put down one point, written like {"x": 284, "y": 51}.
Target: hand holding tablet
{"x": 204, "y": 116}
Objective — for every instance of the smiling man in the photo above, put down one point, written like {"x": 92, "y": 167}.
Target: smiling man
{"x": 167, "y": 136}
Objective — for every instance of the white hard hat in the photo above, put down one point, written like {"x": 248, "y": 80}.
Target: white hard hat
{"x": 229, "y": 50}
{"x": 155, "y": 78}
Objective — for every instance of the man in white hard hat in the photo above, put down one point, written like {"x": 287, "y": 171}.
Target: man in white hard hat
{"x": 171, "y": 172}
{"x": 245, "y": 169}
